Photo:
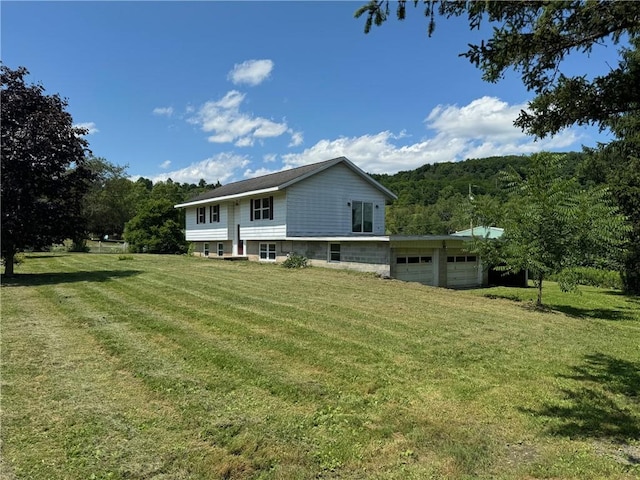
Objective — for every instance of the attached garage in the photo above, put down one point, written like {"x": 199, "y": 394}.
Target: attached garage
{"x": 437, "y": 260}
{"x": 414, "y": 265}
{"x": 462, "y": 270}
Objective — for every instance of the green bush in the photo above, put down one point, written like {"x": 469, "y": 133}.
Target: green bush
{"x": 590, "y": 276}
{"x": 295, "y": 260}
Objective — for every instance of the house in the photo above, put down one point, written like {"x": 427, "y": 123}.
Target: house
{"x": 333, "y": 213}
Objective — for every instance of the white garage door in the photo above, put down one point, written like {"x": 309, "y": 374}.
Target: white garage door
{"x": 462, "y": 271}
{"x": 414, "y": 267}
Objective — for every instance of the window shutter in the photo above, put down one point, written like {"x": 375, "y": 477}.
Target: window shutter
{"x": 270, "y": 208}
{"x": 251, "y": 209}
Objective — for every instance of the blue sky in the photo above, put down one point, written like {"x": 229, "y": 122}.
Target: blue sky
{"x": 230, "y": 90}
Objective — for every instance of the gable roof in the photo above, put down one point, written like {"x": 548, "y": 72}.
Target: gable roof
{"x": 279, "y": 181}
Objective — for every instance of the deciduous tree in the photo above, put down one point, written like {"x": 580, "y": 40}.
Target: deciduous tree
{"x": 44, "y": 169}
{"x": 553, "y": 224}
{"x": 156, "y": 228}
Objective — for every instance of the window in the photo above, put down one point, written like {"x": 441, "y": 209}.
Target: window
{"x": 403, "y": 260}
{"x": 205, "y": 250}
{"x": 262, "y": 208}
{"x": 361, "y": 217}
{"x": 462, "y": 258}
{"x": 334, "y": 252}
{"x": 267, "y": 251}
{"x": 220, "y": 249}
{"x": 200, "y": 215}
{"x": 214, "y": 213}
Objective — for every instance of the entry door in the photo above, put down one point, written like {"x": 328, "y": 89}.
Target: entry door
{"x": 240, "y": 243}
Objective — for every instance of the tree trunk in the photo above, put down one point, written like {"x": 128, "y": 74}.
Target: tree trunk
{"x": 539, "y": 301}
{"x": 8, "y": 263}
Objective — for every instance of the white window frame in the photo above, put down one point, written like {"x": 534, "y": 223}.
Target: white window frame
{"x": 362, "y": 214}
{"x": 220, "y": 249}
{"x": 267, "y": 252}
{"x": 205, "y": 249}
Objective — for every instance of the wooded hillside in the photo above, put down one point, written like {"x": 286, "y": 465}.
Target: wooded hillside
{"x": 434, "y": 198}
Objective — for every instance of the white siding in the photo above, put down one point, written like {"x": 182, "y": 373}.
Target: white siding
{"x": 206, "y": 231}
{"x": 263, "y": 229}
{"x": 318, "y": 205}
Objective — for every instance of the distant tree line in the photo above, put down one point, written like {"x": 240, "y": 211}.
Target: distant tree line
{"x": 139, "y": 211}
{"x": 441, "y": 198}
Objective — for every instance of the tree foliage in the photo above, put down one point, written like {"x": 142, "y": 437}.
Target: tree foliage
{"x": 112, "y": 199}
{"x": 553, "y": 224}
{"x": 434, "y": 199}
{"x": 156, "y": 228}
{"x": 44, "y": 169}
{"x": 533, "y": 38}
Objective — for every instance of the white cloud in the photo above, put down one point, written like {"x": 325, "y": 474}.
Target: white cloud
{"x": 221, "y": 167}
{"x": 296, "y": 139}
{"x": 480, "y": 129}
{"x": 163, "y": 111}
{"x": 483, "y": 118}
{"x": 251, "y": 72}
{"x": 483, "y": 128}
{"x": 249, "y": 173}
{"x": 164, "y": 165}
{"x": 89, "y": 126}
{"x": 229, "y": 125}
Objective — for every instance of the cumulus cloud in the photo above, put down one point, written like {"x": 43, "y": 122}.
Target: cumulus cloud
{"x": 164, "y": 165}
{"x": 222, "y": 167}
{"x": 483, "y": 128}
{"x": 480, "y": 129}
{"x": 251, "y": 72}
{"x": 228, "y": 124}
{"x": 483, "y": 118}
{"x": 297, "y": 139}
{"x": 89, "y": 126}
{"x": 163, "y": 111}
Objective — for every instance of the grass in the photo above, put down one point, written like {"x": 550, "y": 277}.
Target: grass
{"x": 173, "y": 367}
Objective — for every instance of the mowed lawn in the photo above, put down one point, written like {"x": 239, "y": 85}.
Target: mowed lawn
{"x": 175, "y": 367}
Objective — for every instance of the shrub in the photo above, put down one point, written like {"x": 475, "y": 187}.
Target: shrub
{"x": 594, "y": 277}
{"x": 78, "y": 246}
{"x": 295, "y": 260}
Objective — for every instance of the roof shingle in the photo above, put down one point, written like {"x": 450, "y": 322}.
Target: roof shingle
{"x": 266, "y": 181}
{"x": 279, "y": 180}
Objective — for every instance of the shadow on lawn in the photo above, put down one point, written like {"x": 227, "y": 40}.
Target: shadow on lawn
{"x": 617, "y": 313}
{"x": 600, "y": 407}
{"x": 33, "y": 279}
